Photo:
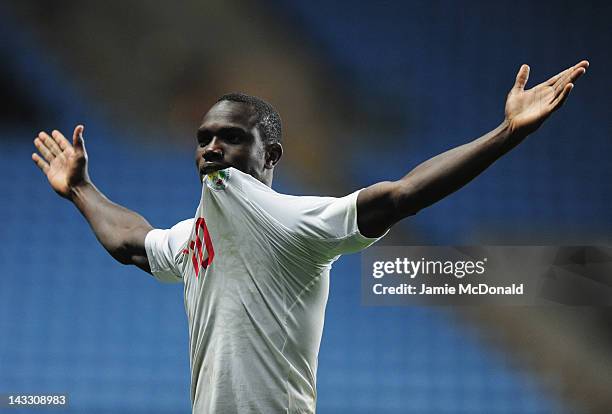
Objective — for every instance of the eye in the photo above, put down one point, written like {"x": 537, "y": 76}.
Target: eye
{"x": 203, "y": 139}
{"x": 234, "y": 139}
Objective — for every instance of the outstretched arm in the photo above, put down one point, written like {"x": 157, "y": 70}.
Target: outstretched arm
{"x": 382, "y": 205}
{"x": 121, "y": 231}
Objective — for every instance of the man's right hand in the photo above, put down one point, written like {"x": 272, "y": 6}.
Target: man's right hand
{"x": 122, "y": 232}
{"x": 64, "y": 164}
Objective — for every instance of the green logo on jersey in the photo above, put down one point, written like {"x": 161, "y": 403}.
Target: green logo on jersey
{"x": 217, "y": 180}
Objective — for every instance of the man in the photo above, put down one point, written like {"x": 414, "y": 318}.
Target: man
{"x": 255, "y": 263}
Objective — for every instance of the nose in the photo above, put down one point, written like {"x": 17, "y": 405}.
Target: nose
{"x": 213, "y": 151}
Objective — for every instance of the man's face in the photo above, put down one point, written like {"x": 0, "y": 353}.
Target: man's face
{"x": 228, "y": 137}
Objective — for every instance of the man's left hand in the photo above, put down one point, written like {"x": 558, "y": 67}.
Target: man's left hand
{"x": 526, "y": 109}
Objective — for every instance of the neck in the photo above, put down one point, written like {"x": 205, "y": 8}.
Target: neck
{"x": 266, "y": 178}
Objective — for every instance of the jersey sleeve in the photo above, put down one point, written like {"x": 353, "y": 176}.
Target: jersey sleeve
{"x": 163, "y": 246}
{"x": 330, "y": 224}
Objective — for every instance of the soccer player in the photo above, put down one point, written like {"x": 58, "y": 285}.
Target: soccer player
{"x": 255, "y": 263}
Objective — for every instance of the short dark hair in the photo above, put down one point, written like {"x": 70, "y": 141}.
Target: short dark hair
{"x": 268, "y": 120}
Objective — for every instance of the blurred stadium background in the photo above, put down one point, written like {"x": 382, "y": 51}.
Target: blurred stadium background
{"x": 366, "y": 90}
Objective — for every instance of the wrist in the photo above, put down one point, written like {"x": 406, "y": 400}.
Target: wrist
{"x": 79, "y": 191}
{"x": 510, "y": 135}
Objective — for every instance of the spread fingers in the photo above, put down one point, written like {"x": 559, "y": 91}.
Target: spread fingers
{"x": 50, "y": 143}
{"x": 43, "y": 149}
{"x": 60, "y": 140}
{"x": 40, "y": 163}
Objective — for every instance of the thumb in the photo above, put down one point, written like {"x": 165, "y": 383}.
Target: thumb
{"x": 77, "y": 138}
{"x": 521, "y": 77}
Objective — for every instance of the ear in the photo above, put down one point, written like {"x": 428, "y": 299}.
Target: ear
{"x": 274, "y": 152}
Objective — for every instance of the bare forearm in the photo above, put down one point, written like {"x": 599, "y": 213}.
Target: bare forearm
{"x": 119, "y": 230}
{"x": 444, "y": 174}
{"x": 383, "y": 204}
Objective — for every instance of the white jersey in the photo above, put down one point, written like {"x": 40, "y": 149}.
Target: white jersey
{"x": 255, "y": 265}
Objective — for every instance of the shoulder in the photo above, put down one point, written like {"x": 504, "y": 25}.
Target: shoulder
{"x": 172, "y": 238}
{"x": 180, "y": 232}
{"x": 312, "y": 216}
{"x": 183, "y": 226}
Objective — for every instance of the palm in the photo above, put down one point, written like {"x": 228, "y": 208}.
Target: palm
{"x": 527, "y": 109}
{"x": 64, "y": 169}
{"x": 65, "y": 165}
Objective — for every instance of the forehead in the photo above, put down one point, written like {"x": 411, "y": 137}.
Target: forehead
{"x": 228, "y": 113}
